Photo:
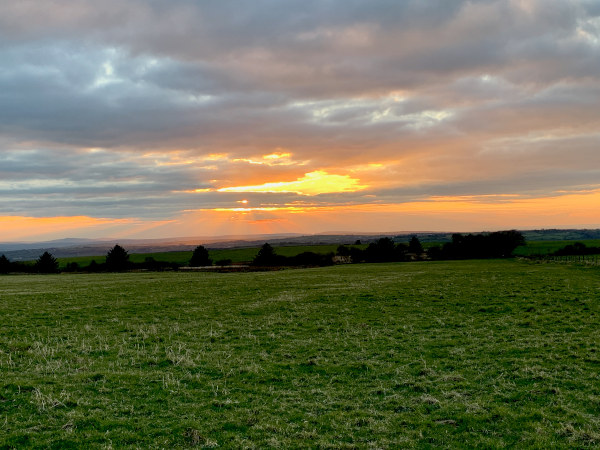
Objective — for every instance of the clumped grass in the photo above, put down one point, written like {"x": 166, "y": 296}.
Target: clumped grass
{"x": 430, "y": 354}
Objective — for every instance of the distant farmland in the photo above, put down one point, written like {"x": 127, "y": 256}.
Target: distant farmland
{"x": 244, "y": 255}
{"x": 236, "y": 255}
{"x": 428, "y": 354}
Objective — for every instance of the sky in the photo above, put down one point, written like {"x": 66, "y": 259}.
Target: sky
{"x": 167, "y": 118}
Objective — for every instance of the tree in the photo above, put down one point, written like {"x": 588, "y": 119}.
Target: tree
{"x": 357, "y": 255}
{"x": 311, "y": 259}
{"x": 384, "y": 250}
{"x": 4, "y": 264}
{"x": 46, "y": 263}
{"x": 93, "y": 266}
{"x": 342, "y": 250}
{"x": 414, "y": 246}
{"x": 401, "y": 252}
{"x": 499, "y": 244}
{"x": 267, "y": 257}
{"x": 200, "y": 257}
{"x": 72, "y": 267}
{"x": 117, "y": 259}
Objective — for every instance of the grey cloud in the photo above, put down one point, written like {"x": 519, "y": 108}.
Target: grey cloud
{"x": 247, "y": 78}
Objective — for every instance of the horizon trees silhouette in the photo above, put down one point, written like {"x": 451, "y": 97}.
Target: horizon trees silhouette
{"x": 5, "y": 264}
{"x": 200, "y": 257}
{"x": 46, "y": 263}
{"x": 117, "y": 259}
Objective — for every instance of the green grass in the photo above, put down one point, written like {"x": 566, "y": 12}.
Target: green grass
{"x": 432, "y": 354}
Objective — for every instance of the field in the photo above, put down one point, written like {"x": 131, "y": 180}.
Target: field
{"x": 426, "y": 354}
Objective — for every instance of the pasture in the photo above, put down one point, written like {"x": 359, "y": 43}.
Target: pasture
{"x": 459, "y": 353}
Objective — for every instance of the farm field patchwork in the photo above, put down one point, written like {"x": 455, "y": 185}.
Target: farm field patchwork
{"x": 460, "y": 353}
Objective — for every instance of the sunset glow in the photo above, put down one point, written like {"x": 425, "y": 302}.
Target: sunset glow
{"x": 313, "y": 183}
{"x": 203, "y": 119}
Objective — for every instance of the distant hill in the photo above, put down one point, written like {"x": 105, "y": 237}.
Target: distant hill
{"x": 65, "y": 248}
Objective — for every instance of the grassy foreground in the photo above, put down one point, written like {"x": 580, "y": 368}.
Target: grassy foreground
{"x": 462, "y": 353}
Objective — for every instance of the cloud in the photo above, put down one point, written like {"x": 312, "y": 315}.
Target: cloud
{"x": 114, "y": 109}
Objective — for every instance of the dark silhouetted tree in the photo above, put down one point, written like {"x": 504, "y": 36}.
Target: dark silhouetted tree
{"x": 46, "y": 263}
{"x": 117, "y": 259}
{"x": 578, "y": 248}
{"x": 4, "y": 264}
{"x": 72, "y": 267}
{"x": 357, "y": 255}
{"x": 342, "y": 250}
{"x": 384, "y": 250}
{"x": 93, "y": 266}
{"x": 200, "y": 257}
{"x": 500, "y": 244}
{"x": 435, "y": 252}
{"x": 311, "y": 259}
{"x": 401, "y": 252}
{"x": 267, "y": 257}
{"x": 414, "y": 246}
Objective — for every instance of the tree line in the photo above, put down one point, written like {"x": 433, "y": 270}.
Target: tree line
{"x": 117, "y": 260}
{"x": 471, "y": 246}
{"x": 577, "y": 249}
{"x": 499, "y": 244}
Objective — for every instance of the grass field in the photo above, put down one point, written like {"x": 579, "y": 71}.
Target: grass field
{"x": 427, "y": 354}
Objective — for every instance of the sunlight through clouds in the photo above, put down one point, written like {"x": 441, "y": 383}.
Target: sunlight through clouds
{"x": 313, "y": 183}
{"x": 133, "y": 110}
